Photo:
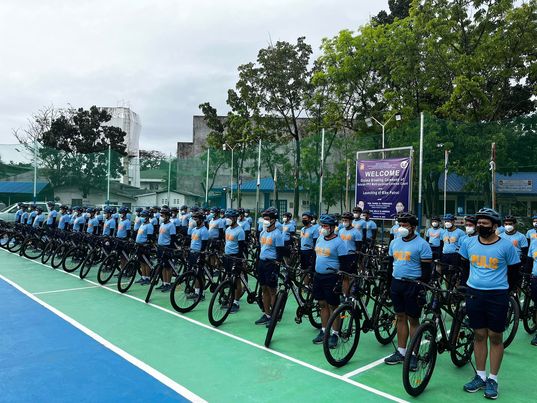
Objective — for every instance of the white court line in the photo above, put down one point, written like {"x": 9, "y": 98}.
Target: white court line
{"x": 122, "y": 353}
{"x": 245, "y": 341}
{"x": 65, "y": 290}
{"x": 364, "y": 368}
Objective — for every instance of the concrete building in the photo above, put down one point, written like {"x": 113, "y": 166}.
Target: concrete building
{"x": 177, "y": 199}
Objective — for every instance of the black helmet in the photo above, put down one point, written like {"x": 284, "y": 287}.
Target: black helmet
{"x": 193, "y": 209}
{"x": 489, "y": 214}
{"x": 198, "y": 216}
{"x": 165, "y": 211}
{"x": 139, "y": 209}
{"x": 63, "y": 207}
{"x": 288, "y": 214}
{"x": 328, "y": 219}
{"x": 231, "y": 213}
{"x": 436, "y": 218}
{"x": 174, "y": 210}
{"x": 241, "y": 211}
{"x": 307, "y": 214}
{"x": 145, "y": 213}
{"x": 471, "y": 218}
{"x": 511, "y": 218}
{"x": 357, "y": 209}
{"x": 50, "y": 203}
{"x": 184, "y": 207}
{"x": 347, "y": 215}
{"x": 270, "y": 212}
{"x": 165, "y": 206}
{"x": 123, "y": 210}
{"x": 409, "y": 218}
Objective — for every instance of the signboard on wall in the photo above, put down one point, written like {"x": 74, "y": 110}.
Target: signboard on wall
{"x": 515, "y": 186}
{"x": 384, "y": 186}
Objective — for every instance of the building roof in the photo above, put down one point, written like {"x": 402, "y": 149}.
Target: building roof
{"x": 516, "y": 183}
{"x": 179, "y": 192}
{"x": 21, "y": 187}
{"x": 266, "y": 185}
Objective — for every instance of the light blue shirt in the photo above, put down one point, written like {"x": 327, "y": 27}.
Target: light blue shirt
{"x": 214, "y": 227}
{"x": 349, "y": 238}
{"x": 451, "y": 240}
{"x": 197, "y": 236}
{"x": 233, "y": 236}
{"x": 531, "y": 234}
{"x": 288, "y": 228}
{"x": 143, "y": 233}
{"x": 93, "y": 224}
{"x": 79, "y": 223}
{"x": 165, "y": 233}
{"x": 109, "y": 226}
{"x": 64, "y": 220}
{"x": 407, "y": 257}
{"x": 122, "y": 228}
{"x": 39, "y": 219}
{"x": 269, "y": 242}
{"x": 328, "y": 253}
{"x": 307, "y": 237}
{"x": 488, "y": 263}
{"x": 434, "y": 235}
{"x": 51, "y": 216}
{"x": 532, "y": 253}
{"x": 518, "y": 240}
{"x": 370, "y": 226}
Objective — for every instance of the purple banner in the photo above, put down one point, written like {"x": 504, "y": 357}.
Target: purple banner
{"x": 383, "y": 186}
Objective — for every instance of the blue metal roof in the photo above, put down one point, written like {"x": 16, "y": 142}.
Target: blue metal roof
{"x": 266, "y": 185}
{"x": 21, "y": 187}
{"x": 517, "y": 183}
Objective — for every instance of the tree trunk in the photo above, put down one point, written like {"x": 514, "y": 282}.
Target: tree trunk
{"x": 296, "y": 199}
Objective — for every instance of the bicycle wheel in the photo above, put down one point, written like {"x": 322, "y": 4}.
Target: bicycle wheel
{"x": 48, "y": 252}
{"x": 32, "y": 248}
{"x": 423, "y": 346}
{"x": 4, "y": 239}
{"x": 462, "y": 341}
{"x": 349, "y": 335}
{"x": 107, "y": 268}
{"x": 314, "y": 314}
{"x": 87, "y": 264}
{"x": 57, "y": 256}
{"x": 14, "y": 243}
{"x": 528, "y": 315}
{"x": 221, "y": 301}
{"x": 127, "y": 275}
{"x": 183, "y": 291}
{"x": 276, "y": 315}
{"x": 305, "y": 284}
{"x": 73, "y": 258}
{"x": 385, "y": 326}
{"x": 513, "y": 317}
{"x": 155, "y": 278}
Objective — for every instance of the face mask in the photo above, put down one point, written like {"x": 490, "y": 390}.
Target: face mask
{"x": 284, "y": 219}
{"x": 403, "y": 231}
{"x": 356, "y": 215}
{"x": 470, "y": 230}
{"x": 509, "y": 228}
{"x": 228, "y": 221}
{"x": 313, "y": 221}
{"x": 325, "y": 232}
{"x": 346, "y": 224}
{"x": 435, "y": 224}
{"x": 362, "y": 216}
{"x": 305, "y": 222}
{"x": 396, "y": 222}
{"x": 448, "y": 225}
{"x": 142, "y": 219}
{"x": 535, "y": 224}
{"x": 266, "y": 223}
{"x": 246, "y": 214}
{"x": 485, "y": 232}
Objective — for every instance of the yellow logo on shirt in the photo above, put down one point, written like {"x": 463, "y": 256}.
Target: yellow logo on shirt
{"x": 484, "y": 261}
{"x": 402, "y": 255}
{"x": 345, "y": 237}
{"x": 266, "y": 241}
{"x": 322, "y": 251}
{"x": 230, "y": 237}
{"x": 448, "y": 239}
{"x": 304, "y": 234}
{"x": 195, "y": 237}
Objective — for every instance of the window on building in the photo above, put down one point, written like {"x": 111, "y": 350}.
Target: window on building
{"x": 153, "y": 186}
{"x": 76, "y": 202}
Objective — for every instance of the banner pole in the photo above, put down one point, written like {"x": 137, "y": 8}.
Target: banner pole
{"x": 420, "y": 176}
{"x": 322, "y": 174}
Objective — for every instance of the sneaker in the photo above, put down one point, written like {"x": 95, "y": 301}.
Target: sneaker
{"x": 319, "y": 338}
{"x": 262, "y": 320}
{"x": 413, "y": 363}
{"x": 159, "y": 287}
{"x": 192, "y": 295}
{"x": 234, "y": 308}
{"x": 394, "y": 359}
{"x": 491, "y": 389}
{"x": 166, "y": 288}
{"x": 139, "y": 281}
{"x": 534, "y": 341}
{"x": 269, "y": 322}
{"x": 474, "y": 385}
{"x": 333, "y": 340}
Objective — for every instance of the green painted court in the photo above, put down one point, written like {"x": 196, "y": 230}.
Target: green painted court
{"x": 230, "y": 363}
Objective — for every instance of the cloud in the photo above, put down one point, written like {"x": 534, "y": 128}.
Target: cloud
{"x": 163, "y": 57}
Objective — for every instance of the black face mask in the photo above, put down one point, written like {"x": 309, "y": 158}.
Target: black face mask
{"x": 305, "y": 222}
{"x": 485, "y": 232}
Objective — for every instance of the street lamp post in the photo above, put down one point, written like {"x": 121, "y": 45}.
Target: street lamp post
{"x": 369, "y": 123}
{"x": 108, "y": 175}
{"x": 224, "y": 146}
{"x": 446, "y": 161}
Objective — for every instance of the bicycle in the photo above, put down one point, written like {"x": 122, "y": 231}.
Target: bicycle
{"x": 529, "y": 310}
{"x": 303, "y": 294}
{"x": 431, "y": 339}
{"x": 223, "y": 296}
{"x": 121, "y": 250}
{"x": 381, "y": 321}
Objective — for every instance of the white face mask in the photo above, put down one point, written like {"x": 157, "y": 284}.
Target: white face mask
{"x": 535, "y": 224}
{"x": 325, "y": 232}
{"x": 284, "y": 219}
{"x": 396, "y": 222}
{"x": 313, "y": 221}
{"x": 356, "y": 215}
{"x": 246, "y": 214}
{"x": 266, "y": 223}
{"x": 470, "y": 230}
{"x": 435, "y": 224}
{"x": 448, "y": 225}
{"x": 228, "y": 221}
{"x": 362, "y": 216}
{"x": 346, "y": 224}
{"x": 509, "y": 228}
{"x": 403, "y": 231}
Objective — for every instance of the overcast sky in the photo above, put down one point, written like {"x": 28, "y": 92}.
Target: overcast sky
{"x": 160, "y": 57}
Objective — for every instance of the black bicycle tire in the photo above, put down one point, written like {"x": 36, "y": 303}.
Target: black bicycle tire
{"x": 215, "y": 322}
{"x": 327, "y": 350}
{"x": 516, "y": 318}
{"x": 128, "y": 267}
{"x": 276, "y": 314}
{"x": 528, "y": 315}
{"x": 104, "y": 264}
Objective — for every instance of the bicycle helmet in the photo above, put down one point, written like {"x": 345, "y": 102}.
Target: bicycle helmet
{"x": 471, "y": 218}
{"x": 78, "y": 208}
{"x": 510, "y": 218}
{"x": 409, "y": 218}
{"x": 123, "y": 210}
{"x": 174, "y": 210}
{"x": 215, "y": 210}
{"x": 90, "y": 210}
{"x": 145, "y": 213}
{"x": 24, "y": 206}
{"x": 50, "y": 204}
{"x": 107, "y": 210}
{"x": 156, "y": 208}
{"x": 165, "y": 212}
{"x": 489, "y": 214}
{"x": 240, "y": 210}
{"x": 357, "y": 209}
{"x": 39, "y": 208}
{"x": 328, "y": 219}
{"x": 347, "y": 215}
{"x": 534, "y": 217}
{"x": 288, "y": 214}
{"x": 63, "y": 207}
{"x": 436, "y": 218}
{"x": 231, "y": 213}
{"x": 183, "y": 207}
{"x": 165, "y": 206}
{"x": 270, "y": 212}
{"x": 307, "y": 214}
{"x": 193, "y": 209}
{"x": 139, "y": 209}
{"x": 449, "y": 217}
{"x": 198, "y": 216}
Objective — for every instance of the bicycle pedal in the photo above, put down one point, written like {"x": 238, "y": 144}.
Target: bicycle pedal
{"x": 298, "y": 320}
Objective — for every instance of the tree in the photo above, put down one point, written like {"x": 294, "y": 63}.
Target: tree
{"x": 151, "y": 159}
{"x": 72, "y": 146}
